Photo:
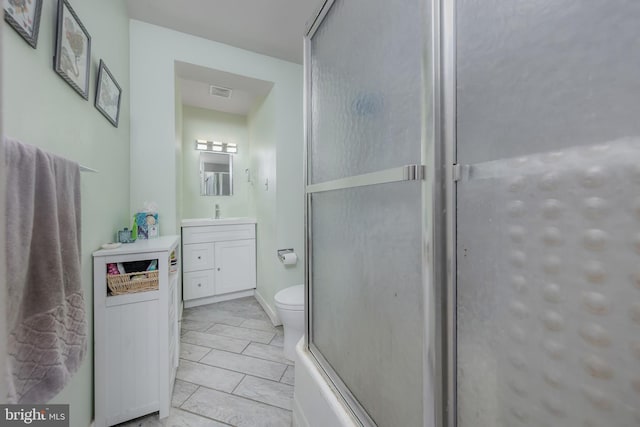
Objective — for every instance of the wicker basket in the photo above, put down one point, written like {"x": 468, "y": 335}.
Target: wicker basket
{"x": 123, "y": 284}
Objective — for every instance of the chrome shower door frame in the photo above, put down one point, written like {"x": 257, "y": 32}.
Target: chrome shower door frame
{"x": 444, "y": 209}
{"x": 342, "y": 391}
{"x": 438, "y": 220}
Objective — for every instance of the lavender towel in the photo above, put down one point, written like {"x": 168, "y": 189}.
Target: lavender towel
{"x": 47, "y": 337}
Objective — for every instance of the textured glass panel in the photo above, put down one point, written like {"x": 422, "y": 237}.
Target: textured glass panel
{"x": 367, "y": 295}
{"x": 366, "y": 88}
{"x": 548, "y": 221}
{"x": 549, "y": 289}
{"x": 535, "y": 76}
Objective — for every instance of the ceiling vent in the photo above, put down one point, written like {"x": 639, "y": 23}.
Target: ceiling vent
{"x": 222, "y": 92}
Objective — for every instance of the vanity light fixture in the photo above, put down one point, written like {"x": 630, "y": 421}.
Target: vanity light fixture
{"x": 201, "y": 144}
{"x": 216, "y": 146}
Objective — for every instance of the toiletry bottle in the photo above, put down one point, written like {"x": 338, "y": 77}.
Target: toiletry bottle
{"x": 125, "y": 235}
{"x": 134, "y": 229}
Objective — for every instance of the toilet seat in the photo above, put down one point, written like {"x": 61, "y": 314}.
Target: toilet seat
{"x": 291, "y": 298}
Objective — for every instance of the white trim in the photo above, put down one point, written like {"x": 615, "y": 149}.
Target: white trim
{"x": 217, "y": 298}
{"x": 271, "y": 312}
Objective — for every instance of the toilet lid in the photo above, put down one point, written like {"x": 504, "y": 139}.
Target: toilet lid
{"x": 292, "y": 296}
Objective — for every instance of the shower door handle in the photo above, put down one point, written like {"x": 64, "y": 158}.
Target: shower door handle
{"x": 386, "y": 176}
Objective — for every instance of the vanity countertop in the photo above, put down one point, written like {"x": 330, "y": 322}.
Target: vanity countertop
{"x": 159, "y": 244}
{"x": 198, "y": 222}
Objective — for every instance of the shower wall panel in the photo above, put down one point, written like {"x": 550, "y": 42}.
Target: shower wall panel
{"x": 548, "y": 227}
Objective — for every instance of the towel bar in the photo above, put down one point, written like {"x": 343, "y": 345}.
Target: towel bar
{"x": 86, "y": 169}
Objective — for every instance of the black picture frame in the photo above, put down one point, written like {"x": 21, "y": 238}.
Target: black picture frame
{"x": 108, "y": 94}
{"x": 72, "y": 60}
{"x": 25, "y": 19}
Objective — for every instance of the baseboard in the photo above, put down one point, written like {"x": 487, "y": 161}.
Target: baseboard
{"x": 218, "y": 298}
{"x": 273, "y": 316}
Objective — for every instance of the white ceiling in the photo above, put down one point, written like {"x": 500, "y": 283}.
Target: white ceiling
{"x": 270, "y": 27}
{"x": 274, "y": 28}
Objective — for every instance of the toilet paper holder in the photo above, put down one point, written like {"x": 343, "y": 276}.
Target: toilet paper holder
{"x": 282, "y": 252}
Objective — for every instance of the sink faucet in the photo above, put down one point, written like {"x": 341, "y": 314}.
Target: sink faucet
{"x": 217, "y": 211}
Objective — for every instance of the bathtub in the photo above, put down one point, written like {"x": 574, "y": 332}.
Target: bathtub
{"x": 315, "y": 404}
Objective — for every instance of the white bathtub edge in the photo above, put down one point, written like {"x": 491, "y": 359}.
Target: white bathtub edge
{"x": 298, "y": 419}
{"x": 315, "y": 403}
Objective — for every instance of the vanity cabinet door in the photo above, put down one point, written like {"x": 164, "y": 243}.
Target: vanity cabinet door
{"x": 235, "y": 265}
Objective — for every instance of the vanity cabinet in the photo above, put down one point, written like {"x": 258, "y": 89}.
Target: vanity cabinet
{"x": 136, "y": 334}
{"x": 219, "y": 262}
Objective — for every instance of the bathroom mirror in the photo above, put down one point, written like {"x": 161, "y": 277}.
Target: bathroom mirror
{"x": 216, "y": 174}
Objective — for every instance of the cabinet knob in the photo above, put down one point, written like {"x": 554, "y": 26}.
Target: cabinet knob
{"x": 199, "y": 285}
{"x": 199, "y": 257}
{"x": 218, "y": 268}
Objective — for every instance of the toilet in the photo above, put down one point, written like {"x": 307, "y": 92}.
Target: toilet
{"x": 290, "y": 307}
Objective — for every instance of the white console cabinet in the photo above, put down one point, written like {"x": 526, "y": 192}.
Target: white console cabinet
{"x": 136, "y": 335}
{"x": 219, "y": 260}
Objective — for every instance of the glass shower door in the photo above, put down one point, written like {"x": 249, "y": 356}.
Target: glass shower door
{"x": 364, "y": 196}
{"x": 548, "y": 214}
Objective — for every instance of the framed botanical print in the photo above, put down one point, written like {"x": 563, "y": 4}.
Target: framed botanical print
{"x": 24, "y": 17}
{"x": 108, "y": 94}
{"x": 73, "y": 50}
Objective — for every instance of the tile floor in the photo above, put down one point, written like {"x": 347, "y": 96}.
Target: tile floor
{"x": 232, "y": 370}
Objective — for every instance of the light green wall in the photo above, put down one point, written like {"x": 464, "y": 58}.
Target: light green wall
{"x": 41, "y": 109}
{"x": 279, "y": 210}
{"x": 262, "y": 132}
{"x": 199, "y": 123}
{"x": 290, "y": 186}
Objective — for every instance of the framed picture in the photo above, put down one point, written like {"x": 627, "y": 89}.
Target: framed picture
{"x": 73, "y": 50}
{"x": 108, "y": 94}
{"x": 24, "y": 17}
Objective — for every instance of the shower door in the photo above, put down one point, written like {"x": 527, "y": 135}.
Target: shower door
{"x": 365, "y": 114}
{"x": 548, "y": 212}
